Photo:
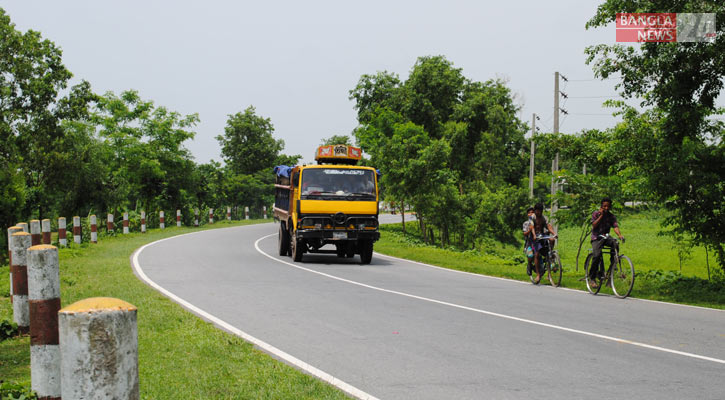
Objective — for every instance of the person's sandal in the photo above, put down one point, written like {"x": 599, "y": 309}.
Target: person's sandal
{"x": 593, "y": 283}
{"x": 537, "y": 279}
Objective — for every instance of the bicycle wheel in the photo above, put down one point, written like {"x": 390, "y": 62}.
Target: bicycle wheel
{"x": 622, "y": 277}
{"x": 553, "y": 265}
{"x": 596, "y": 285}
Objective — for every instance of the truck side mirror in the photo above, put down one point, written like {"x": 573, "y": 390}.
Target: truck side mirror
{"x": 296, "y": 180}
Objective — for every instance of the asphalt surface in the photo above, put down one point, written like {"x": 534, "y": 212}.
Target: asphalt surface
{"x": 401, "y": 330}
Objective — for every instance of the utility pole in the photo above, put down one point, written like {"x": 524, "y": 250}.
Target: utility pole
{"x": 555, "y": 161}
{"x": 531, "y": 159}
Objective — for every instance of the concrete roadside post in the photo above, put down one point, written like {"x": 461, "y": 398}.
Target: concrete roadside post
{"x": 35, "y": 235}
{"x": 11, "y": 231}
{"x": 20, "y": 244}
{"x": 264, "y": 211}
{"x": 100, "y": 349}
{"x": 162, "y": 223}
{"x": 246, "y": 212}
{"x": 44, "y": 303}
{"x": 94, "y": 229}
{"x": 62, "y": 238}
{"x": 77, "y": 229}
{"x": 45, "y": 228}
{"x": 196, "y": 217}
{"x": 178, "y": 218}
{"x": 211, "y": 215}
{"x": 125, "y": 223}
{"x": 229, "y": 213}
{"x": 109, "y": 223}
{"x": 143, "y": 221}
{"x": 23, "y": 226}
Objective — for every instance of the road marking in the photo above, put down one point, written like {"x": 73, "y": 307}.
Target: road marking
{"x": 491, "y": 313}
{"x": 344, "y": 386}
{"x": 545, "y": 286}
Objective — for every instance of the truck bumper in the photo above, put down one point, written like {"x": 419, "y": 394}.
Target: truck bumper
{"x": 335, "y": 235}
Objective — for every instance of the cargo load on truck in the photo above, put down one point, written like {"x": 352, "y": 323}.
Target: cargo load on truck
{"x": 333, "y": 203}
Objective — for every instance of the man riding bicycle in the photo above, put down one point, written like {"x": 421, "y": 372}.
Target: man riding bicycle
{"x": 602, "y": 221}
{"x": 540, "y": 227}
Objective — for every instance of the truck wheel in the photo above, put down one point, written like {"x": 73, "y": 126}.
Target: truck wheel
{"x": 296, "y": 249}
{"x": 340, "y": 249}
{"x": 283, "y": 240}
{"x": 366, "y": 251}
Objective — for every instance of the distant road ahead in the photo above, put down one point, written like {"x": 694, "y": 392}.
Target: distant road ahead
{"x": 401, "y": 330}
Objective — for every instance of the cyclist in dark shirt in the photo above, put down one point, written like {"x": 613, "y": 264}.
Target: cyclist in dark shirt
{"x": 602, "y": 221}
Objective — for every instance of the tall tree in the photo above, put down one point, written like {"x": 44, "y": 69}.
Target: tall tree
{"x": 679, "y": 83}
{"x": 247, "y": 144}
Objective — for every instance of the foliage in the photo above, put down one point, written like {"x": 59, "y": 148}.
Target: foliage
{"x": 448, "y": 146}
{"x": 8, "y": 329}
{"x": 675, "y": 144}
{"x": 15, "y": 391}
{"x": 247, "y": 143}
{"x": 337, "y": 139}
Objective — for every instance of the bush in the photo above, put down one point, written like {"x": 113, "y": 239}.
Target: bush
{"x": 7, "y": 330}
{"x": 15, "y": 391}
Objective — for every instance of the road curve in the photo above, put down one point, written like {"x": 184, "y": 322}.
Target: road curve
{"x": 396, "y": 329}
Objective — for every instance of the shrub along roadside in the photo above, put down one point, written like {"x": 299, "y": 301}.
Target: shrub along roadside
{"x": 180, "y": 356}
{"x": 507, "y": 261}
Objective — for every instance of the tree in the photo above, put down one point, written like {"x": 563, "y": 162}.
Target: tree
{"x": 337, "y": 139}
{"x": 247, "y": 144}
{"x": 679, "y": 83}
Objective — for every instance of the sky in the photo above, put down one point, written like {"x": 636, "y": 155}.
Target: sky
{"x": 296, "y": 62}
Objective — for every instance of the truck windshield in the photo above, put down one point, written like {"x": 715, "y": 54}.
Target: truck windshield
{"x": 353, "y": 184}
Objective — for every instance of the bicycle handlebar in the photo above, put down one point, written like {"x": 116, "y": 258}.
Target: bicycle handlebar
{"x": 610, "y": 236}
{"x": 544, "y": 237}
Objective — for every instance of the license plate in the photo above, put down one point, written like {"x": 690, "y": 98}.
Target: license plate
{"x": 339, "y": 235}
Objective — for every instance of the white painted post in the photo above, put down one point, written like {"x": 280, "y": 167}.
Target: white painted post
{"x": 211, "y": 215}
{"x": 20, "y": 244}
{"x": 162, "y": 225}
{"x": 35, "y": 236}
{"x": 45, "y": 229}
{"x": 44, "y": 303}
{"x": 246, "y": 212}
{"x": 109, "y": 223}
{"x": 62, "y": 238}
{"x": 77, "y": 229}
{"x": 23, "y": 226}
{"x": 264, "y": 211}
{"x": 178, "y": 218}
{"x": 11, "y": 230}
{"x": 94, "y": 229}
{"x": 125, "y": 223}
{"x": 196, "y": 217}
{"x": 229, "y": 213}
{"x": 99, "y": 355}
{"x": 143, "y": 221}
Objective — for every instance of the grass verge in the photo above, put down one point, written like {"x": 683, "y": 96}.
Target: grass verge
{"x": 655, "y": 259}
{"x": 180, "y": 356}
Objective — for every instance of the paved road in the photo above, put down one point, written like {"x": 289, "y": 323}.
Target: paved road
{"x": 401, "y": 330}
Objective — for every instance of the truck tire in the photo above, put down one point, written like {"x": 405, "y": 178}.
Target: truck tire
{"x": 296, "y": 249}
{"x": 283, "y": 240}
{"x": 366, "y": 251}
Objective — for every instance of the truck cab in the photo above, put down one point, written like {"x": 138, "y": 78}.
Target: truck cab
{"x": 334, "y": 202}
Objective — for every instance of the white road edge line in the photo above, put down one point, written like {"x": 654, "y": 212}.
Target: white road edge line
{"x": 264, "y": 346}
{"x": 491, "y": 313}
{"x": 550, "y": 287}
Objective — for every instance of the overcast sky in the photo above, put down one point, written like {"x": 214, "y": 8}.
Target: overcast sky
{"x": 295, "y": 61}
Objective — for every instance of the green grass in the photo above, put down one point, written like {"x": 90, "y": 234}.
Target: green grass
{"x": 654, "y": 257}
{"x": 180, "y": 356}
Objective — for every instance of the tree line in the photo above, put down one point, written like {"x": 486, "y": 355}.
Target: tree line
{"x": 68, "y": 151}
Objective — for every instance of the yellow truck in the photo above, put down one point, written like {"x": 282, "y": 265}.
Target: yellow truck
{"x": 334, "y": 202}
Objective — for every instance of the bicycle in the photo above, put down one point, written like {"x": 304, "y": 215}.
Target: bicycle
{"x": 549, "y": 262}
{"x": 619, "y": 275}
